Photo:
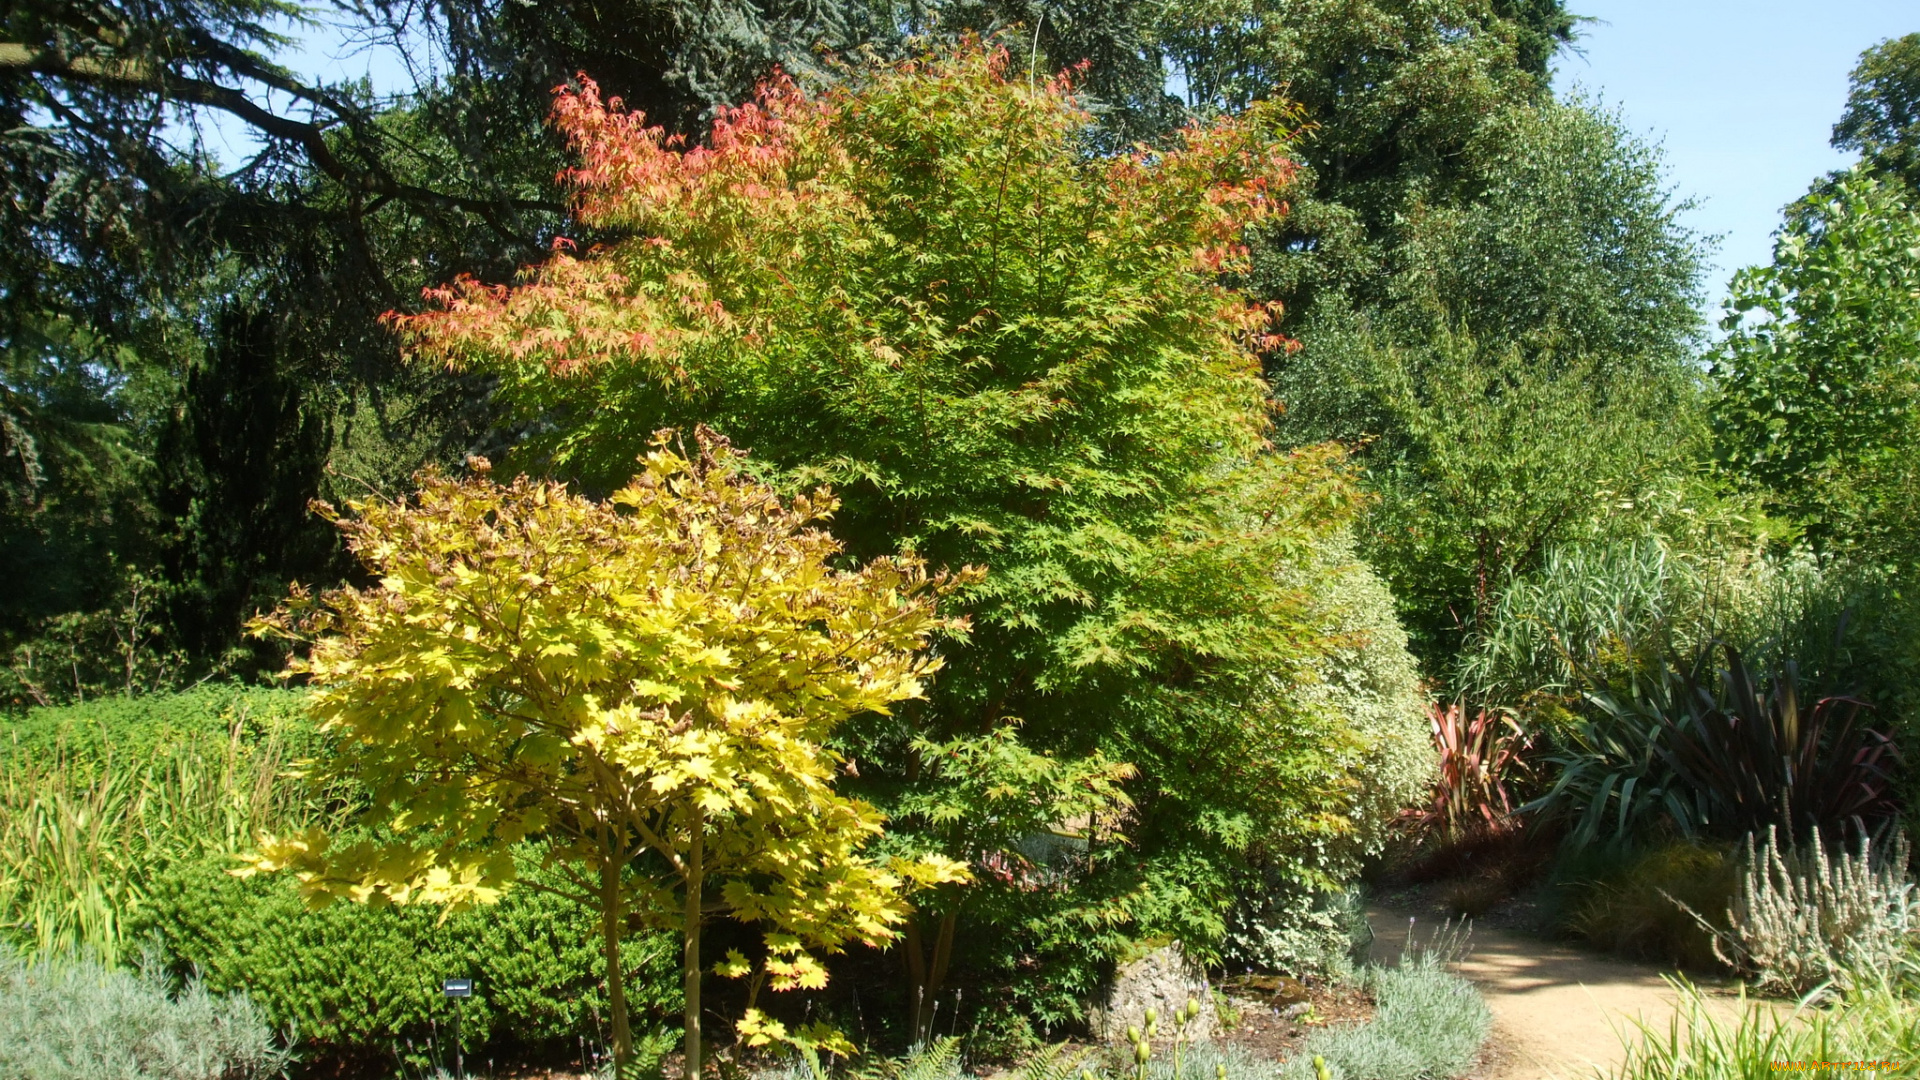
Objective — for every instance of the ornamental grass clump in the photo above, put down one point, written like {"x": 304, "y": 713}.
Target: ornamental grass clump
{"x": 1875, "y": 1032}
{"x": 1801, "y": 919}
{"x": 83, "y": 836}
{"x": 1642, "y": 903}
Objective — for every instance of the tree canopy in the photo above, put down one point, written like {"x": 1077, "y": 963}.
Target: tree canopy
{"x": 1538, "y": 257}
{"x": 1001, "y": 352}
{"x": 1817, "y": 376}
{"x": 647, "y": 684}
{"x": 1882, "y": 117}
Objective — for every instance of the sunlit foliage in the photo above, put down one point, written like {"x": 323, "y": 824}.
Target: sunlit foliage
{"x": 646, "y": 683}
{"x": 1002, "y": 351}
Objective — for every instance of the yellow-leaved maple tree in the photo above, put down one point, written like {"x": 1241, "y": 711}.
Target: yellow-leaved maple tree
{"x": 645, "y": 685}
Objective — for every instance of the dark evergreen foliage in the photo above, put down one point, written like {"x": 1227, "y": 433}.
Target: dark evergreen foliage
{"x": 238, "y": 461}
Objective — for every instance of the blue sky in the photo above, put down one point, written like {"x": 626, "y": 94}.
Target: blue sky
{"x": 1742, "y": 96}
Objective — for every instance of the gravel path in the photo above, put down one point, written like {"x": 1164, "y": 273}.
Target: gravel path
{"x": 1558, "y": 1011}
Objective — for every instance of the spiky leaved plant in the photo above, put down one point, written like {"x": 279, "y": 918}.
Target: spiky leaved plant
{"x": 1720, "y": 752}
{"x": 1479, "y": 753}
{"x": 1756, "y": 754}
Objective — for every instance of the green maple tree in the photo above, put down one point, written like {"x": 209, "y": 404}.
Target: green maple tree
{"x": 1004, "y": 350}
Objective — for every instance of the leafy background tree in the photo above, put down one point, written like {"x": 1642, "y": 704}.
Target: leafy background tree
{"x": 1504, "y": 247}
{"x": 123, "y": 223}
{"x": 1882, "y": 116}
{"x": 238, "y": 461}
{"x": 1817, "y": 375}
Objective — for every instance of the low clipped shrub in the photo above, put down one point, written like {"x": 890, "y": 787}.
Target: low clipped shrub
{"x": 137, "y": 728}
{"x": 73, "y": 1019}
{"x": 1644, "y": 905}
{"x": 358, "y": 982}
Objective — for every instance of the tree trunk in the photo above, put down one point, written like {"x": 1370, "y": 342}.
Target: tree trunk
{"x": 926, "y": 976}
{"x": 696, "y": 849}
{"x": 937, "y": 971}
{"x": 612, "y": 918}
{"x": 916, "y": 961}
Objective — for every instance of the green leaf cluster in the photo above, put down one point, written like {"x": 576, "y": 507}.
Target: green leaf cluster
{"x": 1882, "y": 116}
{"x": 1817, "y": 380}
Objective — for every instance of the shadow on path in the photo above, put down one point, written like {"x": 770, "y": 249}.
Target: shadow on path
{"x": 1558, "y": 1012}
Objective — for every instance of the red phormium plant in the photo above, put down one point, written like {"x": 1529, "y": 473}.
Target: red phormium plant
{"x": 1479, "y": 754}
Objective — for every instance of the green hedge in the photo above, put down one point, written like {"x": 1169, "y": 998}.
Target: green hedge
{"x": 137, "y": 728}
{"x": 352, "y": 982}
{"x": 355, "y": 981}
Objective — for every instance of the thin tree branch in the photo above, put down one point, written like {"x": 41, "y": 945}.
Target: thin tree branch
{"x": 144, "y": 76}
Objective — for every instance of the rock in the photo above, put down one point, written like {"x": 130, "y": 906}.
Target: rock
{"x": 1162, "y": 980}
{"x": 1276, "y": 990}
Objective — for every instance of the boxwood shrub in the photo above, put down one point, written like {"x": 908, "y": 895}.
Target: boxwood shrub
{"x": 351, "y": 982}
{"x": 355, "y": 982}
{"x": 134, "y": 729}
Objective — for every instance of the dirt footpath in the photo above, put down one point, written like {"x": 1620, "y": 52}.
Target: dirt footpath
{"x": 1558, "y": 1012}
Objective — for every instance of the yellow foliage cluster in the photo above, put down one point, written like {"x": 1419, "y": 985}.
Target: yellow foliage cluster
{"x": 646, "y": 683}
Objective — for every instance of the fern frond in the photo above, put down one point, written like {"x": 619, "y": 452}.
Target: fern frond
{"x": 1052, "y": 1063}
{"x": 939, "y": 1060}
